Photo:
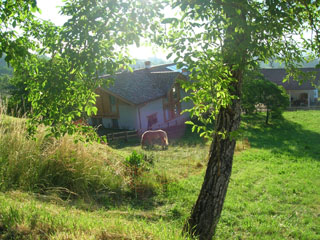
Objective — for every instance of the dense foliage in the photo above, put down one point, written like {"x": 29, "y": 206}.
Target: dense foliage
{"x": 92, "y": 42}
{"x": 261, "y": 93}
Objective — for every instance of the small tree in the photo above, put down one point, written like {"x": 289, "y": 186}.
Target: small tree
{"x": 258, "y": 90}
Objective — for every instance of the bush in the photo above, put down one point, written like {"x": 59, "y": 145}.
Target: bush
{"x": 142, "y": 182}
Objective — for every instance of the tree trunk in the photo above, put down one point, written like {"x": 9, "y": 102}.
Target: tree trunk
{"x": 206, "y": 212}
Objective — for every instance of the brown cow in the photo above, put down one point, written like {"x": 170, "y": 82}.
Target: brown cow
{"x": 151, "y": 137}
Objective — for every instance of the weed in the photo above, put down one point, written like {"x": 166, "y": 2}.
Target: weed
{"x": 137, "y": 166}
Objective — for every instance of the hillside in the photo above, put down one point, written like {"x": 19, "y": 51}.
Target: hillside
{"x": 273, "y": 193}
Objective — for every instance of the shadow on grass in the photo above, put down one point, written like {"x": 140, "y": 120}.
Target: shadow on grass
{"x": 121, "y": 143}
{"x": 282, "y": 137}
{"x": 107, "y": 201}
{"x": 190, "y": 138}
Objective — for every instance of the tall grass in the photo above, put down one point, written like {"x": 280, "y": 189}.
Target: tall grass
{"x": 55, "y": 165}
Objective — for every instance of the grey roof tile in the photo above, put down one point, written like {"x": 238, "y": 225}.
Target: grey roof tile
{"x": 143, "y": 85}
{"x": 277, "y": 75}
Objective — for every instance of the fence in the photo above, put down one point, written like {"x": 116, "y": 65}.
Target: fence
{"x": 122, "y": 135}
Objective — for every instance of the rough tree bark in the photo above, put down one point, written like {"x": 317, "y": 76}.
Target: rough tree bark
{"x": 234, "y": 51}
{"x": 207, "y": 210}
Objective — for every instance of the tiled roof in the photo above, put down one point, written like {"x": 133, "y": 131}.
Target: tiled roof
{"x": 143, "y": 85}
{"x": 277, "y": 75}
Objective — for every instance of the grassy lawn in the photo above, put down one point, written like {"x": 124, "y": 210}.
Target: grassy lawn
{"x": 274, "y": 192}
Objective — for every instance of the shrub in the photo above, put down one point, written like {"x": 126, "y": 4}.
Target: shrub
{"x": 138, "y": 166}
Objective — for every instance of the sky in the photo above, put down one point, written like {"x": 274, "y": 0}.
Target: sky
{"x": 50, "y": 11}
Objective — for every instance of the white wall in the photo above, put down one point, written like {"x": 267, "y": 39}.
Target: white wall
{"x": 130, "y": 118}
{"x": 151, "y": 108}
{"x": 127, "y": 118}
{"x": 157, "y": 107}
{"x": 295, "y": 94}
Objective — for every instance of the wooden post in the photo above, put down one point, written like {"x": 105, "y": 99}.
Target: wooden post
{"x": 126, "y": 136}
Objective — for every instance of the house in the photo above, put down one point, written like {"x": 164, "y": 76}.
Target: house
{"x": 300, "y": 95}
{"x": 148, "y": 98}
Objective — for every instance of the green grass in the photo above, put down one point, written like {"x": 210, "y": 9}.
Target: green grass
{"x": 273, "y": 193}
{"x": 51, "y": 165}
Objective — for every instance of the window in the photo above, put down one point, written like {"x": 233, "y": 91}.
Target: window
{"x": 171, "y": 104}
{"x": 113, "y": 106}
{"x": 112, "y": 100}
{"x": 176, "y": 110}
{"x": 152, "y": 119}
{"x": 107, "y": 105}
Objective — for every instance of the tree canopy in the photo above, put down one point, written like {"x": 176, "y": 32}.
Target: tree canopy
{"x": 15, "y": 14}
{"x": 92, "y": 42}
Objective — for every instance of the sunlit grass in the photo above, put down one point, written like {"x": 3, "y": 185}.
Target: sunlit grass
{"x": 58, "y": 166}
{"x": 273, "y": 192}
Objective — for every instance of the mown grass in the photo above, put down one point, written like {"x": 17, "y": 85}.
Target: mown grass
{"x": 273, "y": 193}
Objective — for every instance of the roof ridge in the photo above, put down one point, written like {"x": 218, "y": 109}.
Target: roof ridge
{"x": 155, "y": 66}
{"x": 138, "y": 70}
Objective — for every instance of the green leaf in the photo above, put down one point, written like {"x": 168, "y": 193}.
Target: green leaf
{"x": 202, "y": 134}
{"x": 170, "y": 20}
{"x": 189, "y": 123}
